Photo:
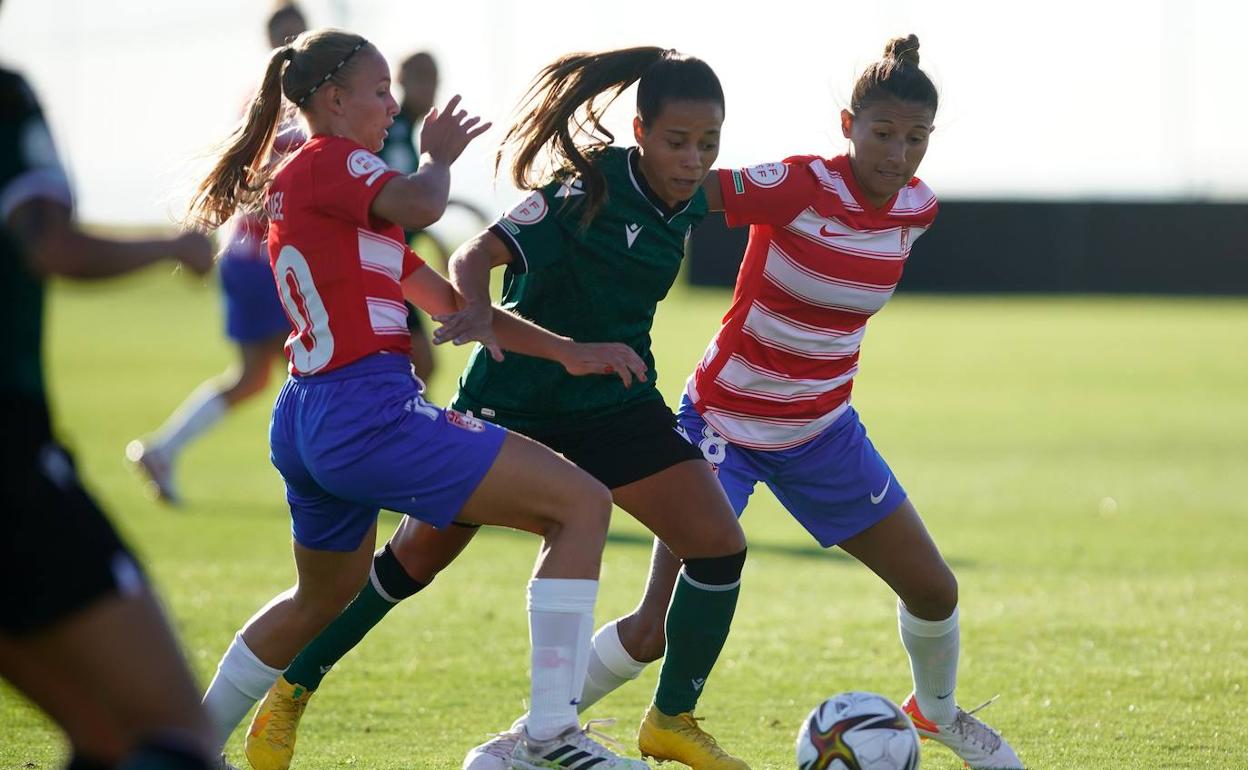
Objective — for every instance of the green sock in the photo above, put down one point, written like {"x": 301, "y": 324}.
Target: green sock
{"x": 697, "y": 626}
{"x": 312, "y": 664}
{"x": 388, "y": 584}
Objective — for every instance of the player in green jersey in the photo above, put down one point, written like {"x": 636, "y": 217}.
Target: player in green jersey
{"x": 81, "y": 631}
{"x": 588, "y": 254}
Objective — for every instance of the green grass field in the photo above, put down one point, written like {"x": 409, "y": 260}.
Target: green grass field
{"x": 1081, "y": 461}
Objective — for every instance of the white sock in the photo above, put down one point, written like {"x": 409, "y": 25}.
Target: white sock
{"x": 933, "y": 649}
{"x": 610, "y": 666}
{"x": 199, "y": 412}
{"x": 240, "y": 682}
{"x": 561, "y": 618}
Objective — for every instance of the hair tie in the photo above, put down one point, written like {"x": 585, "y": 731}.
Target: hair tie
{"x": 332, "y": 71}
{"x": 289, "y": 53}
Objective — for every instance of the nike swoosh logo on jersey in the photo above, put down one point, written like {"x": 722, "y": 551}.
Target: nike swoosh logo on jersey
{"x": 823, "y": 230}
{"x": 875, "y": 499}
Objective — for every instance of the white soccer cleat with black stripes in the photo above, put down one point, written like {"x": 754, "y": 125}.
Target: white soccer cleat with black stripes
{"x": 574, "y": 749}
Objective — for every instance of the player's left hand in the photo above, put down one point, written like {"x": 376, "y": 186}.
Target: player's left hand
{"x": 604, "y": 358}
{"x": 446, "y": 132}
{"x": 472, "y": 323}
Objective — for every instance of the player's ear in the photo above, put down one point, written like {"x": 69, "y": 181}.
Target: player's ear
{"x": 847, "y": 123}
{"x": 639, "y": 130}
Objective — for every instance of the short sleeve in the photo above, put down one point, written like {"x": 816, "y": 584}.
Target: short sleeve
{"x": 766, "y": 194}
{"x": 533, "y": 231}
{"x": 347, "y": 178}
{"x": 31, "y": 167}
{"x": 411, "y": 262}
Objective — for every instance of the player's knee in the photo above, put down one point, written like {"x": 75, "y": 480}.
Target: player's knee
{"x": 936, "y": 599}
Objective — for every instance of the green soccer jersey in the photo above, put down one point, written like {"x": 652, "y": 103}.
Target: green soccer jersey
{"x": 28, "y": 169}
{"x": 596, "y": 284}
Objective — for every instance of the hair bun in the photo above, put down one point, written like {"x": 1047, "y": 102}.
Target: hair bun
{"x": 904, "y": 50}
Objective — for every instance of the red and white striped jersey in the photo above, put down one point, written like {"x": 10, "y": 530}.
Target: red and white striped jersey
{"x": 337, "y": 267}
{"x": 821, "y": 260}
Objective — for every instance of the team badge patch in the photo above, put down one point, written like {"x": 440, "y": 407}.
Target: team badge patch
{"x": 767, "y": 174}
{"x": 464, "y": 421}
{"x": 529, "y": 211}
{"x": 363, "y": 163}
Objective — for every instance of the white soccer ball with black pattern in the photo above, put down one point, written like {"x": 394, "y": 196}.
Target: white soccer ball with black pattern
{"x": 857, "y": 731}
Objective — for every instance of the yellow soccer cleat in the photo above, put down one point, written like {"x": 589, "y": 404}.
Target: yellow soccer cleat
{"x": 680, "y": 738}
{"x": 270, "y": 743}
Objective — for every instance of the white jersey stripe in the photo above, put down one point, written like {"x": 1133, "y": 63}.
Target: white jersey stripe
{"x": 793, "y": 279}
{"x": 387, "y": 317}
{"x": 756, "y": 432}
{"x": 380, "y": 254}
{"x": 746, "y": 379}
{"x": 791, "y": 336}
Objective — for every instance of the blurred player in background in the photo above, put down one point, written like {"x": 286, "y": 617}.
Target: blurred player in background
{"x": 81, "y": 632}
{"x": 589, "y": 254}
{"x": 254, "y": 319}
{"x": 350, "y": 432}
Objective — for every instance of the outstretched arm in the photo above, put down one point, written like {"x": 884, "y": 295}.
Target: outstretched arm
{"x": 54, "y": 245}
{"x": 463, "y": 308}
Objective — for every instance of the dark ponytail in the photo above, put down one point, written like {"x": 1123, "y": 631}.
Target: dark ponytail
{"x": 896, "y": 75}
{"x": 562, "y": 111}
{"x": 243, "y": 169}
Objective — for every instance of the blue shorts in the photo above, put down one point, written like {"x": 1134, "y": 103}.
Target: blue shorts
{"x": 253, "y": 311}
{"x": 360, "y": 438}
{"x": 835, "y": 485}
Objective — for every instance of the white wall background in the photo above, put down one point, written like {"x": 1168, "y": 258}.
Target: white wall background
{"x": 1061, "y": 98}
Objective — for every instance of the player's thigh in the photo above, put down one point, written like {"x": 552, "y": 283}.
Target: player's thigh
{"x": 529, "y": 487}
{"x": 121, "y": 649}
{"x": 330, "y": 578}
{"x": 686, "y": 508}
{"x": 899, "y": 549}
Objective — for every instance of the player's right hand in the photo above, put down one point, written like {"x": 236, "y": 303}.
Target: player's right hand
{"x": 605, "y": 358}
{"x": 472, "y": 323}
{"x": 194, "y": 250}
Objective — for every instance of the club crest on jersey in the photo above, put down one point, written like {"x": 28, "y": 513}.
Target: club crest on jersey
{"x": 529, "y": 211}
{"x": 463, "y": 421}
{"x": 905, "y": 239}
{"x": 767, "y": 174}
{"x": 362, "y": 163}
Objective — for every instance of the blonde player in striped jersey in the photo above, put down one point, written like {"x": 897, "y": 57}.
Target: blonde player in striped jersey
{"x": 770, "y": 400}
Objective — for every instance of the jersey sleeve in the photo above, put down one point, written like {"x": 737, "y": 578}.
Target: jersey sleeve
{"x": 766, "y": 194}
{"x": 411, "y": 262}
{"x": 30, "y": 168}
{"x": 346, "y": 179}
{"x": 534, "y": 230}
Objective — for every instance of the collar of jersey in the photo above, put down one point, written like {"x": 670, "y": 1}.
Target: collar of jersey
{"x": 643, "y": 187}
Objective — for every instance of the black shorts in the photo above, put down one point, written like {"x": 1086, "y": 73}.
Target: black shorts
{"x": 625, "y": 447}
{"x": 58, "y": 552}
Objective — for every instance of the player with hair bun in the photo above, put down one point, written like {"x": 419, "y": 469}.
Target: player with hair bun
{"x": 770, "y": 400}
{"x": 350, "y": 432}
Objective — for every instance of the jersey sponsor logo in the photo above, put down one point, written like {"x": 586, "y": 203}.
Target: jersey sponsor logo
{"x": 767, "y": 174}
{"x": 464, "y": 421}
{"x": 362, "y": 163}
{"x": 529, "y": 211}
{"x": 570, "y": 188}
{"x": 630, "y": 232}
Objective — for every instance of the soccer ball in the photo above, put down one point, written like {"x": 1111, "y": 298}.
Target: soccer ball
{"x": 857, "y": 731}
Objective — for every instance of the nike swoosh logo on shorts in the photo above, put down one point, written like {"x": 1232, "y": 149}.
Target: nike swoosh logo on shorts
{"x": 875, "y": 499}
